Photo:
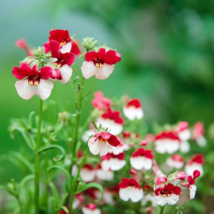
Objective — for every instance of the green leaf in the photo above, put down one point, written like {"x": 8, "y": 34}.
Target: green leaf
{"x": 65, "y": 209}
{"x": 8, "y": 190}
{"x": 67, "y": 174}
{"x": 24, "y": 181}
{"x": 30, "y": 119}
{"x": 56, "y": 198}
{"x": 58, "y": 128}
{"x": 90, "y": 185}
{"x": 23, "y": 125}
{"x": 49, "y": 147}
{"x": 23, "y": 160}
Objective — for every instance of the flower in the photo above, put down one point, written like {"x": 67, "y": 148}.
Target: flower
{"x": 198, "y": 134}
{"x": 102, "y": 142}
{"x": 130, "y": 189}
{"x": 101, "y": 102}
{"x": 91, "y": 209}
{"x": 120, "y": 148}
{"x": 196, "y": 163}
{"x": 133, "y": 109}
{"x": 67, "y": 44}
{"x": 35, "y": 82}
{"x": 62, "y": 62}
{"x": 160, "y": 181}
{"x": 113, "y": 162}
{"x": 21, "y": 43}
{"x": 87, "y": 173}
{"x": 100, "y": 64}
{"x": 190, "y": 184}
{"x": 169, "y": 194}
{"x": 175, "y": 161}
{"x": 104, "y": 174}
{"x": 167, "y": 141}
{"x": 111, "y": 120}
{"x": 142, "y": 159}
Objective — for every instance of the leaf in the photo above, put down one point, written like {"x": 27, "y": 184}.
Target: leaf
{"x": 55, "y": 196}
{"x": 65, "y": 209}
{"x": 8, "y": 190}
{"x": 49, "y": 147}
{"x": 90, "y": 185}
{"x": 58, "y": 128}
{"x": 23, "y": 125}
{"x": 93, "y": 160}
{"x": 23, "y": 160}
{"x": 24, "y": 181}
{"x": 25, "y": 137}
{"x": 30, "y": 119}
{"x": 68, "y": 176}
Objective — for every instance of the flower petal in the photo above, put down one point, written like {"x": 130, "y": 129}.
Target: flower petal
{"x": 66, "y": 48}
{"x": 104, "y": 72}
{"x": 66, "y": 72}
{"x": 88, "y": 69}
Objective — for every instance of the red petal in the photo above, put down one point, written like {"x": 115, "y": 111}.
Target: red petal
{"x": 69, "y": 58}
{"x": 101, "y": 54}
{"x": 76, "y": 48}
{"x": 47, "y": 47}
{"x": 89, "y": 56}
{"x": 21, "y": 72}
{"x": 114, "y": 141}
{"x": 196, "y": 174}
{"x": 111, "y": 57}
{"x": 46, "y": 72}
{"x": 54, "y": 47}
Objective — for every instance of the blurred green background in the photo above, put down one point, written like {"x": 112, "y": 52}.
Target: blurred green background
{"x": 167, "y": 50}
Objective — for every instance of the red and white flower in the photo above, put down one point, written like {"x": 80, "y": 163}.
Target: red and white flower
{"x": 21, "y": 43}
{"x": 91, "y": 209}
{"x": 63, "y": 61}
{"x": 102, "y": 174}
{"x": 102, "y": 143}
{"x": 169, "y": 194}
{"x": 196, "y": 163}
{"x": 33, "y": 81}
{"x": 167, "y": 142}
{"x": 190, "y": 184}
{"x": 198, "y": 134}
{"x": 120, "y": 148}
{"x": 67, "y": 44}
{"x": 130, "y": 189}
{"x": 133, "y": 109}
{"x": 87, "y": 173}
{"x": 113, "y": 162}
{"x": 149, "y": 197}
{"x": 175, "y": 161}
{"x": 142, "y": 159}
{"x": 111, "y": 120}
{"x": 100, "y": 64}
{"x": 160, "y": 181}
{"x": 101, "y": 102}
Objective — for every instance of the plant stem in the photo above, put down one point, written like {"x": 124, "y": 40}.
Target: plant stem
{"x": 161, "y": 209}
{"x": 36, "y": 181}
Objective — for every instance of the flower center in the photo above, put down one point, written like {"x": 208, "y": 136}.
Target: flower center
{"x": 63, "y": 43}
{"x": 166, "y": 193}
{"x": 34, "y": 80}
{"x": 98, "y": 63}
{"x": 103, "y": 140}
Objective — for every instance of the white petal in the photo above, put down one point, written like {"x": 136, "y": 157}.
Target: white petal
{"x": 66, "y": 48}
{"x": 132, "y": 113}
{"x": 124, "y": 194}
{"x": 93, "y": 146}
{"x": 89, "y": 211}
{"x": 106, "y": 164}
{"x": 116, "y": 164}
{"x": 66, "y": 72}
{"x": 174, "y": 164}
{"x": 201, "y": 141}
{"x": 185, "y": 135}
{"x": 76, "y": 203}
{"x": 184, "y": 146}
{"x": 140, "y": 163}
{"x": 104, "y": 174}
{"x": 135, "y": 194}
{"x": 192, "y": 191}
{"x": 88, "y": 69}
{"x": 25, "y": 91}
{"x": 149, "y": 197}
{"x": 104, "y": 72}
{"x": 161, "y": 200}
{"x": 172, "y": 199}
{"x": 190, "y": 168}
{"x": 87, "y": 175}
{"x": 87, "y": 134}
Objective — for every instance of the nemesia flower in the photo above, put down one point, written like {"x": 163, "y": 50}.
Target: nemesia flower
{"x": 142, "y": 159}
{"x": 130, "y": 189}
{"x": 133, "y": 109}
{"x": 113, "y": 162}
{"x": 198, "y": 134}
{"x": 101, "y": 102}
{"x": 149, "y": 197}
{"x": 100, "y": 64}
{"x": 107, "y": 196}
{"x": 120, "y": 148}
{"x": 67, "y": 44}
{"x": 104, "y": 174}
{"x": 91, "y": 209}
{"x": 87, "y": 173}
{"x": 196, "y": 163}
{"x": 190, "y": 184}
{"x": 183, "y": 131}
{"x": 102, "y": 143}
{"x": 175, "y": 161}
{"x": 21, "y": 43}
{"x": 111, "y": 120}
{"x": 62, "y": 62}
{"x": 169, "y": 194}
{"x": 35, "y": 82}
{"x": 160, "y": 181}
{"x": 167, "y": 142}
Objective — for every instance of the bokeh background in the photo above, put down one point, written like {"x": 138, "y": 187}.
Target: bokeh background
{"x": 167, "y": 50}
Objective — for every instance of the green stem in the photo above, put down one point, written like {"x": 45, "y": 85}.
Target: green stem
{"x": 36, "y": 182}
{"x": 161, "y": 209}
{"x": 20, "y": 205}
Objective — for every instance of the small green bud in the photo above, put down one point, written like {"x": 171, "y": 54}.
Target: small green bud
{"x": 89, "y": 43}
